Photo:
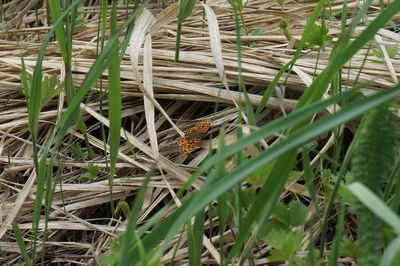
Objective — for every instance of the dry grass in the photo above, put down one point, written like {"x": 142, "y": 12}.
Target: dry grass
{"x": 160, "y": 99}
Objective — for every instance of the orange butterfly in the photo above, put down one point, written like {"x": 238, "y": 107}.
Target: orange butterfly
{"x": 193, "y": 136}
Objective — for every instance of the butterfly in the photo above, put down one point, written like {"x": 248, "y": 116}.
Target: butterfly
{"x": 193, "y": 136}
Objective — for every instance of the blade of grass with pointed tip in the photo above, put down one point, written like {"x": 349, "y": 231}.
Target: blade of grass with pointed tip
{"x": 55, "y": 10}
{"x": 270, "y": 89}
{"x": 25, "y": 82}
{"x": 64, "y": 39}
{"x": 185, "y": 9}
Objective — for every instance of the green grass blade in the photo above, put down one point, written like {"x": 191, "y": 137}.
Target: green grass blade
{"x": 222, "y": 206}
{"x": 195, "y": 237}
{"x": 185, "y": 9}
{"x": 308, "y": 177}
{"x": 34, "y": 109}
{"x": 37, "y": 209}
{"x": 334, "y": 254}
{"x": 114, "y": 100}
{"x": 331, "y": 200}
{"x": 24, "y": 79}
{"x": 390, "y": 253}
{"x": 125, "y": 257}
{"x": 55, "y": 9}
{"x": 271, "y": 87}
{"x": 375, "y": 205}
{"x": 21, "y": 244}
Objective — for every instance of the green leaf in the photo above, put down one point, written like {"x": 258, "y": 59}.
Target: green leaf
{"x": 92, "y": 173}
{"x": 273, "y": 225}
{"x": 50, "y": 88}
{"x": 125, "y": 208}
{"x": 318, "y": 36}
{"x": 298, "y": 213}
{"x": 281, "y": 213}
{"x": 107, "y": 259}
{"x": 390, "y": 49}
{"x": 280, "y": 2}
{"x": 293, "y": 215}
{"x": 285, "y": 244}
{"x": 258, "y": 178}
{"x": 77, "y": 152}
{"x": 348, "y": 248}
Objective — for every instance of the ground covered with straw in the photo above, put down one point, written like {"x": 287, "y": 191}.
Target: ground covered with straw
{"x": 162, "y": 99}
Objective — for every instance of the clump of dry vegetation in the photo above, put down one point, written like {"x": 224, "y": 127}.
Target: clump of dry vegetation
{"x": 160, "y": 99}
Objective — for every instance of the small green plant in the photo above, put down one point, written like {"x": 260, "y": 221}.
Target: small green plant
{"x": 78, "y": 152}
{"x": 80, "y": 23}
{"x": 115, "y": 250}
{"x": 51, "y": 87}
{"x": 284, "y": 24}
{"x": 318, "y": 36}
{"x": 292, "y": 215}
{"x": 286, "y": 245}
{"x": 349, "y": 248}
{"x": 391, "y": 50}
{"x": 92, "y": 173}
{"x": 280, "y": 235}
{"x": 256, "y": 32}
{"x": 280, "y": 2}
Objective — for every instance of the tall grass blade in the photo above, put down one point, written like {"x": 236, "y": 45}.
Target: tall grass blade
{"x": 34, "y": 109}
{"x": 185, "y": 9}
{"x": 390, "y": 253}
{"x": 195, "y": 237}
{"x": 114, "y": 100}
{"x": 125, "y": 257}
{"x": 375, "y": 205}
{"x": 21, "y": 244}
